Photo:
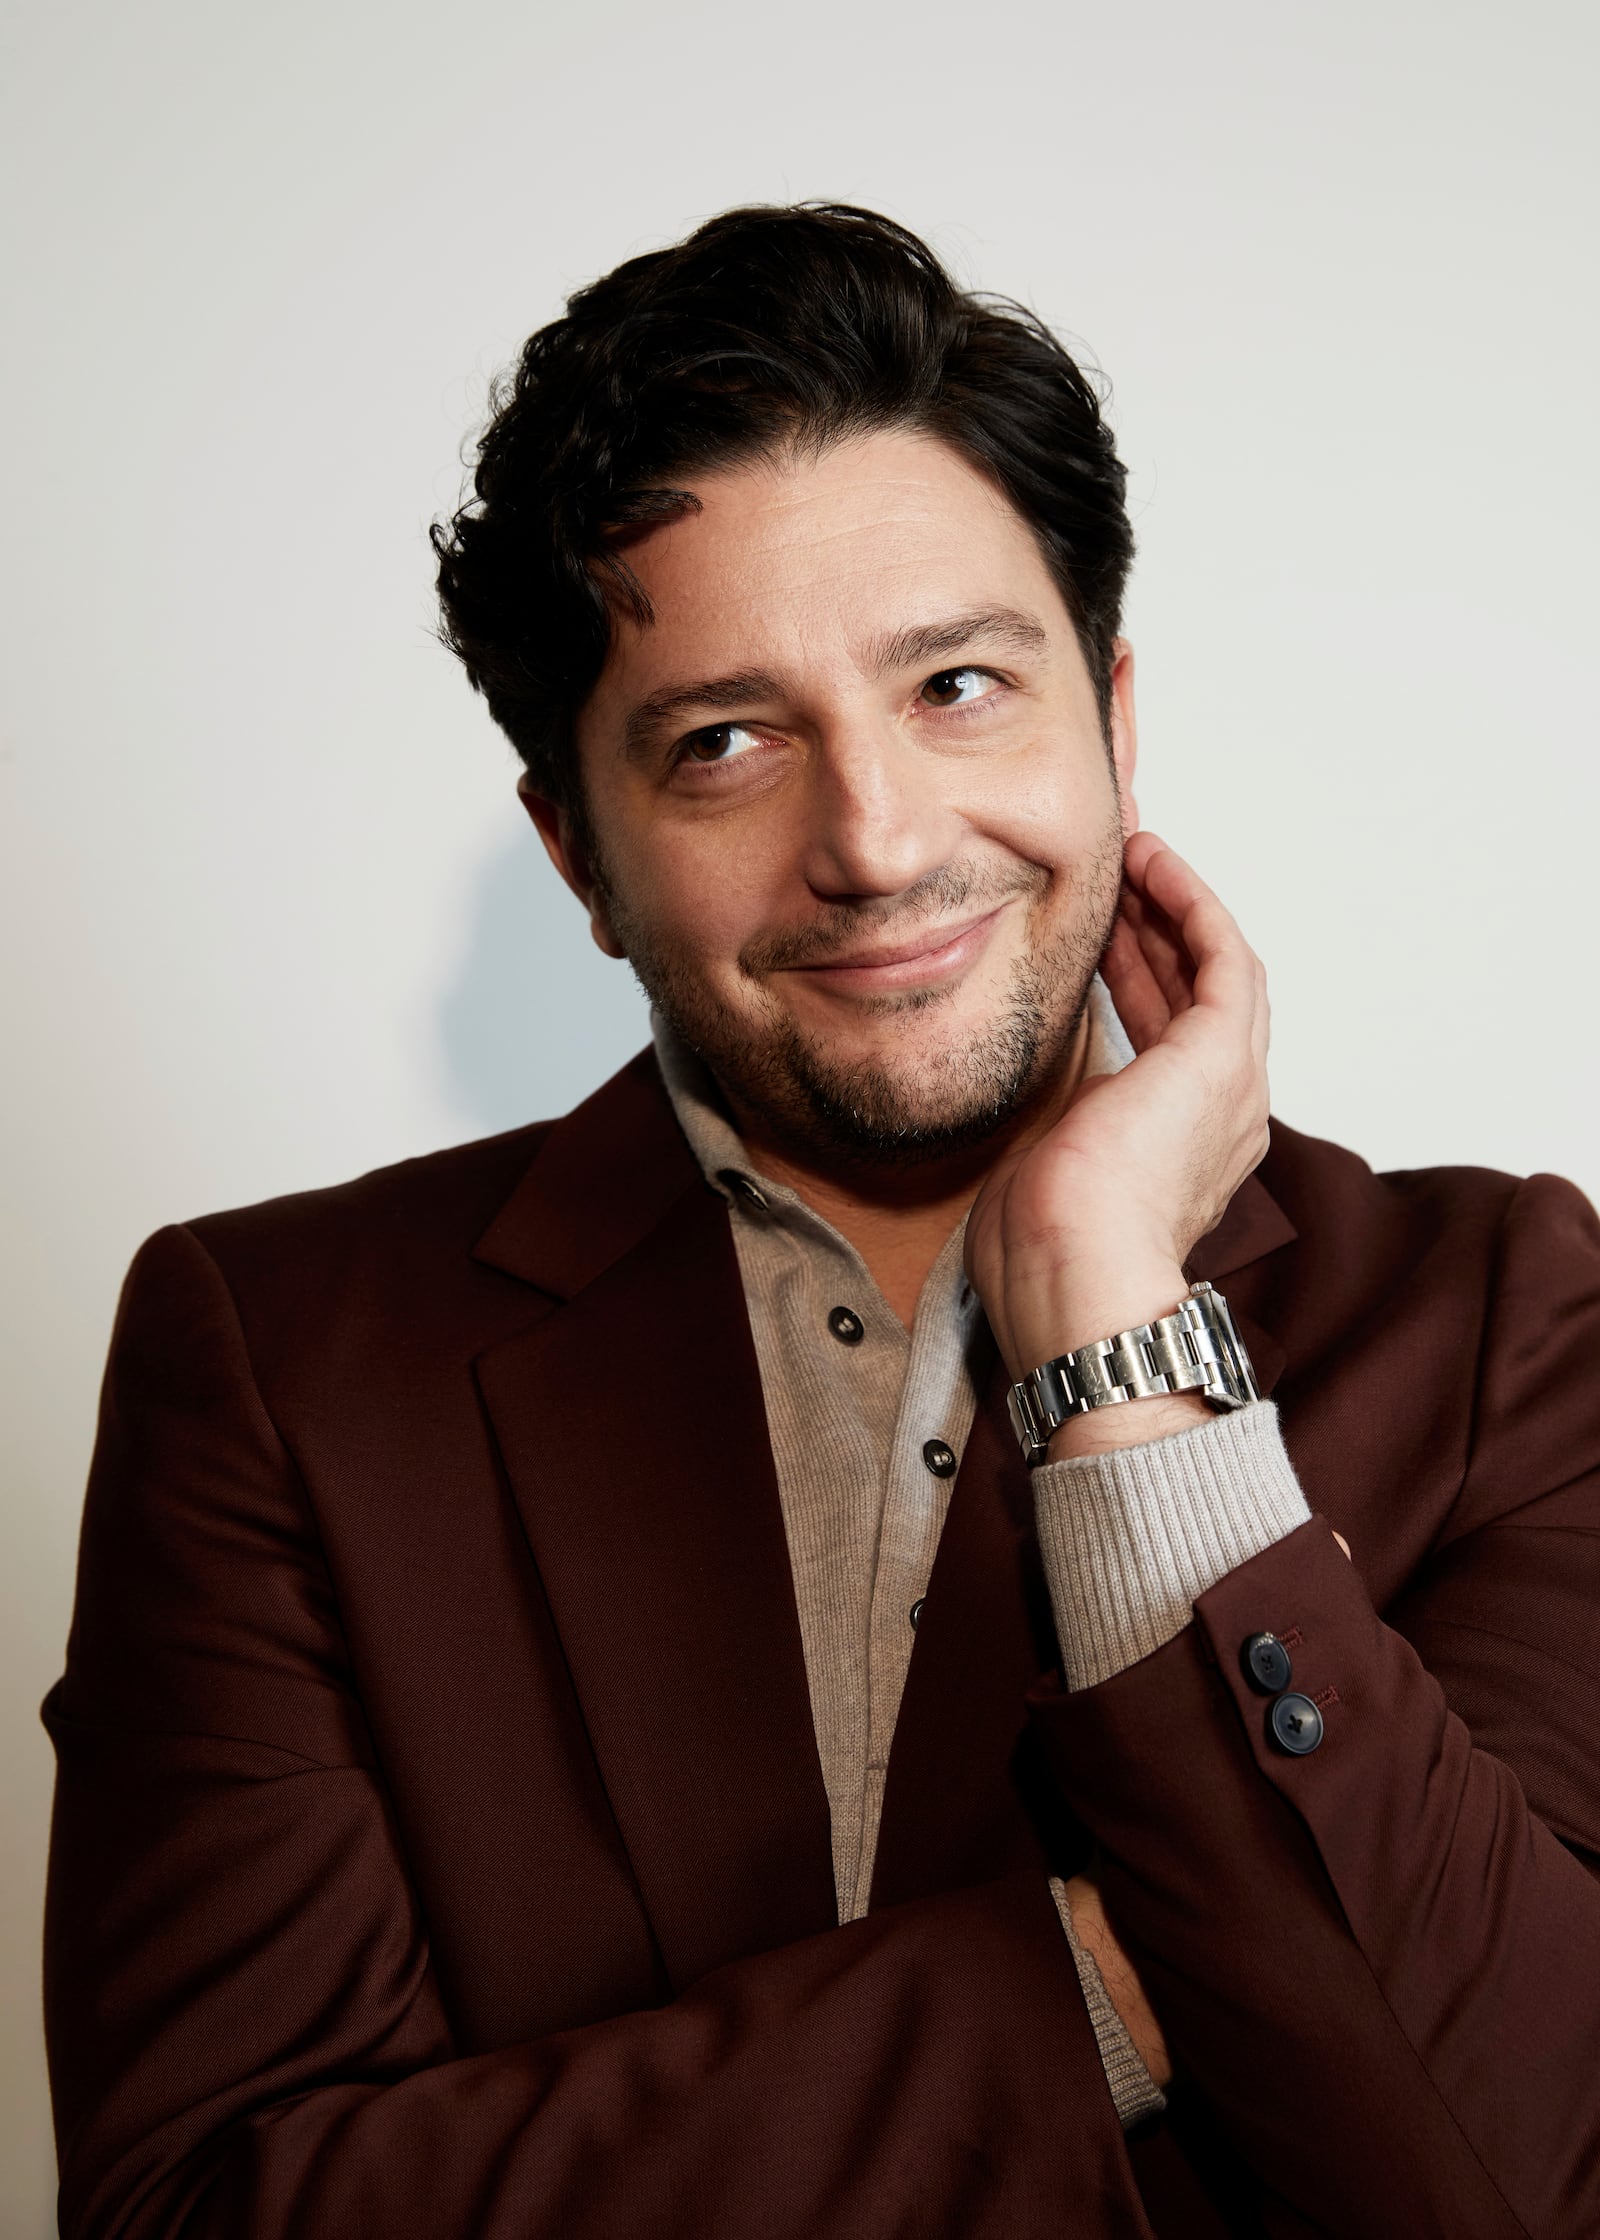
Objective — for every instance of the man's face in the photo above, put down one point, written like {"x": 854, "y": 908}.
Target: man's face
{"x": 854, "y": 821}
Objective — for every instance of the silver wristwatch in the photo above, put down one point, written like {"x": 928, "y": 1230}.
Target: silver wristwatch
{"x": 1195, "y": 1349}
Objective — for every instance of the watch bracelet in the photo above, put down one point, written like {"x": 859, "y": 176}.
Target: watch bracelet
{"x": 1196, "y": 1348}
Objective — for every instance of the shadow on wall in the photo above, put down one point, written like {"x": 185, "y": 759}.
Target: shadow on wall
{"x": 536, "y": 1017}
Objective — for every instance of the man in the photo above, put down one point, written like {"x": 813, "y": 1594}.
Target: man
{"x": 773, "y": 1657}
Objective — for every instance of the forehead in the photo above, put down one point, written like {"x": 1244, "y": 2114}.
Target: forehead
{"x": 806, "y": 560}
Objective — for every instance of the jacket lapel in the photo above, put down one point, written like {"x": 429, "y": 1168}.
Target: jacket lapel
{"x": 1233, "y": 1257}
{"x": 631, "y": 1424}
{"x": 960, "y": 1801}
{"x": 964, "y": 1799}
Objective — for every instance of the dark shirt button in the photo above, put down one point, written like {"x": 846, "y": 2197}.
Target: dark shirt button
{"x": 1266, "y": 1663}
{"x": 939, "y": 1458}
{"x": 848, "y": 1328}
{"x": 916, "y": 1611}
{"x": 743, "y": 1187}
{"x": 1295, "y": 1724}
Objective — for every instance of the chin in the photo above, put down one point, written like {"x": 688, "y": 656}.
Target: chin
{"x": 910, "y": 1045}
{"x": 903, "y": 1105}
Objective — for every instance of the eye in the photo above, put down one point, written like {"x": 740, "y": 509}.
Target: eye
{"x": 718, "y": 742}
{"x": 952, "y": 688}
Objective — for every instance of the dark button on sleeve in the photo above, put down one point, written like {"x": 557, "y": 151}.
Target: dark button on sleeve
{"x": 916, "y": 1611}
{"x": 1295, "y": 1724}
{"x": 848, "y": 1328}
{"x": 939, "y": 1457}
{"x": 1266, "y": 1663}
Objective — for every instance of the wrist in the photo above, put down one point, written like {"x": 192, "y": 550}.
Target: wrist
{"x": 1089, "y": 1300}
{"x": 1165, "y": 1367}
{"x": 1133, "y": 1424}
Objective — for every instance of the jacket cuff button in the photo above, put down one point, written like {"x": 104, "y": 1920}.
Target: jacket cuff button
{"x": 1295, "y": 1724}
{"x": 1266, "y": 1663}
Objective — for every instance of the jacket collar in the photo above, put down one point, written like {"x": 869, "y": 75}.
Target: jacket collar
{"x": 601, "y": 1180}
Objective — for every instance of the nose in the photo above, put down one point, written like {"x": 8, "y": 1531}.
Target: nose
{"x": 877, "y": 820}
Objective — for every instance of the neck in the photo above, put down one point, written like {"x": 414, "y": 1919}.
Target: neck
{"x": 898, "y": 1218}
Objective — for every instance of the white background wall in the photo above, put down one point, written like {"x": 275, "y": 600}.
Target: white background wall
{"x": 273, "y": 915}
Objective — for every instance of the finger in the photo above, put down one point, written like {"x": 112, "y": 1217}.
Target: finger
{"x": 1261, "y": 1026}
{"x": 1165, "y": 954}
{"x": 1227, "y": 971}
{"x": 1175, "y": 887}
{"x": 1133, "y": 987}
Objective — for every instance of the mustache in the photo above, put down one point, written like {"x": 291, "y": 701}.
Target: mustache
{"x": 943, "y": 893}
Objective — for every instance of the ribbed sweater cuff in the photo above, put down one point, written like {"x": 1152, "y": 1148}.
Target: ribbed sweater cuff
{"x": 1134, "y": 2092}
{"x": 1131, "y": 1537}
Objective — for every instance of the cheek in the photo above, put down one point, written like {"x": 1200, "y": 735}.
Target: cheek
{"x": 1051, "y": 807}
{"x": 700, "y": 894}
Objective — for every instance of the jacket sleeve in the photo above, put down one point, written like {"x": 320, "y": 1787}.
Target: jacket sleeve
{"x": 247, "y": 2038}
{"x": 1379, "y": 1962}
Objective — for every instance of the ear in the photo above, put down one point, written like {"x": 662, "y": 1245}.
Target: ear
{"x": 555, "y": 828}
{"x": 1124, "y": 732}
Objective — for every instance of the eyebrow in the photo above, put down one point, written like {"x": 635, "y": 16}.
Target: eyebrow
{"x": 1006, "y": 627}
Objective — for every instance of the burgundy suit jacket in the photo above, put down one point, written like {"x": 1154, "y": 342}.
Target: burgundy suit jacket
{"x": 440, "y": 1846}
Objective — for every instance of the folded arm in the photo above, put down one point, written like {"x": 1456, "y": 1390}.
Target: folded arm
{"x": 246, "y": 2032}
{"x": 1380, "y": 1960}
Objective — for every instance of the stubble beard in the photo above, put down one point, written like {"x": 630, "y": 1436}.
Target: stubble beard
{"x": 865, "y": 1112}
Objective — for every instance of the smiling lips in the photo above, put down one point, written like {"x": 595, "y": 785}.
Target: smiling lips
{"x": 933, "y": 954}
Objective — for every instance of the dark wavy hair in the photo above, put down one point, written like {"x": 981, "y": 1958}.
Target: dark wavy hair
{"x": 770, "y": 327}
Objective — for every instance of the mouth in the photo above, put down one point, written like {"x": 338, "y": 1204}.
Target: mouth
{"x": 933, "y": 953}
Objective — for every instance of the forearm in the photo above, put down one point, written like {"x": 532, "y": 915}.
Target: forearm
{"x": 1385, "y": 1916}
{"x": 1134, "y": 1525}
{"x": 1131, "y": 1529}
{"x": 264, "y": 2050}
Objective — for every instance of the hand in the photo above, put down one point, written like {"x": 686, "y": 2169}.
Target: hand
{"x": 1085, "y": 1231}
{"x": 1123, "y": 1987}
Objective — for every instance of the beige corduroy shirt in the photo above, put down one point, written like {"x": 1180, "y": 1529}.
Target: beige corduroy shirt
{"x": 868, "y": 1421}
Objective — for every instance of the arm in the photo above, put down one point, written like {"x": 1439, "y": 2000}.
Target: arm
{"x": 246, "y": 2033}
{"x": 1131, "y": 1535}
{"x": 1409, "y": 1915}
{"x": 1379, "y": 1962}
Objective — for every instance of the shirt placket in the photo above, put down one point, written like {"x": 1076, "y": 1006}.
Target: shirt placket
{"x": 922, "y": 1452}
{"x": 834, "y": 1361}
{"x": 869, "y": 1421}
